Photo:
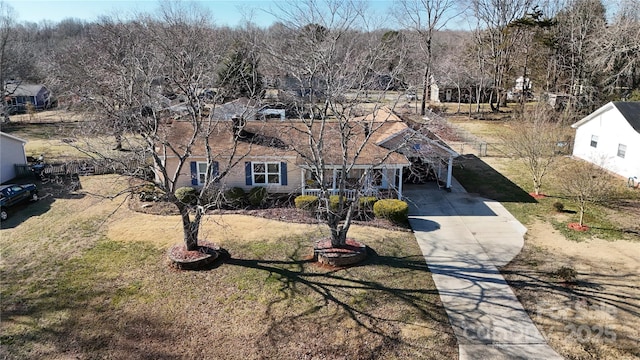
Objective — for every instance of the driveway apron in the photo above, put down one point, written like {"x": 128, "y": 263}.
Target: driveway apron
{"x": 463, "y": 238}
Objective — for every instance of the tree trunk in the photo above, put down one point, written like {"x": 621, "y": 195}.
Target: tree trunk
{"x": 190, "y": 228}
{"x": 425, "y": 89}
{"x": 338, "y": 237}
{"x": 339, "y": 232}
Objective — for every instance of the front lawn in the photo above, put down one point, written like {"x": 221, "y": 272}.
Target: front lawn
{"x": 88, "y": 278}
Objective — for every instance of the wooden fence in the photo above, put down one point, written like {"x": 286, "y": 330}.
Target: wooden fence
{"x": 83, "y": 167}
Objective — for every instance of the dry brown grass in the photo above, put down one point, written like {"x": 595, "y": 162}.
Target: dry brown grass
{"x": 74, "y": 286}
{"x": 597, "y": 317}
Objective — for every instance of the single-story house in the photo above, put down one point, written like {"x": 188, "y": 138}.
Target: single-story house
{"x": 20, "y": 94}
{"x": 449, "y": 92}
{"x": 610, "y": 137}
{"x": 275, "y": 154}
{"x": 11, "y": 153}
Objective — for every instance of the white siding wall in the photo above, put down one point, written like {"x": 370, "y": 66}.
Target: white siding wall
{"x": 11, "y": 153}
{"x": 612, "y": 129}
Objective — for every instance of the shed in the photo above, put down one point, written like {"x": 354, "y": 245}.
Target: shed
{"x": 11, "y": 153}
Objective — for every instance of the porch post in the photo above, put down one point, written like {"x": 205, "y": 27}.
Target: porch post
{"x": 304, "y": 183}
{"x": 335, "y": 173}
{"x": 400, "y": 184}
{"x": 449, "y": 171}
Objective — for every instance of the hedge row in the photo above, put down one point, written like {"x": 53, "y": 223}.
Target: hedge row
{"x": 394, "y": 210}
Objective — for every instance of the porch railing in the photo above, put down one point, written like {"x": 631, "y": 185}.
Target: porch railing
{"x": 350, "y": 194}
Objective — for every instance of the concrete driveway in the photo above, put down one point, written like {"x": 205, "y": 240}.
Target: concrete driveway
{"x": 463, "y": 238}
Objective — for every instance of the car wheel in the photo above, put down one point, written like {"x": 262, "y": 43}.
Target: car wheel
{"x": 34, "y": 197}
{"x": 3, "y": 214}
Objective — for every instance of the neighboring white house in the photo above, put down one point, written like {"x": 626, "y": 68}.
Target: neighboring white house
{"x": 11, "y": 153}
{"x": 610, "y": 137}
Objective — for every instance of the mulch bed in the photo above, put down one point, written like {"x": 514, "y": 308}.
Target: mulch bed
{"x": 537, "y": 196}
{"x": 288, "y": 214}
{"x": 351, "y": 253}
{"x": 205, "y": 255}
{"x": 577, "y": 227}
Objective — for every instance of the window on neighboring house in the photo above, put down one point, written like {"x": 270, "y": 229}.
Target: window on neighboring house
{"x": 594, "y": 140}
{"x": 266, "y": 173}
{"x": 622, "y": 150}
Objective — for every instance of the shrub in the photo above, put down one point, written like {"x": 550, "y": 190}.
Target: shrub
{"x": 235, "y": 197}
{"x": 365, "y": 207}
{"x": 334, "y": 202}
{"x": 258, "y": 196}
{"x": 306, "y": 202}
{"x": 150, "y": 193}
{"x": 394, "y": 210}
{"x": 187, "y": 195}
{"x": 366, "y": 203}
{"x": 566, "y": 273}
{"x": 558, "y": 206}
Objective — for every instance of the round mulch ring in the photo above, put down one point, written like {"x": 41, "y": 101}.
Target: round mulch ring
{"x": 537, "y": 196}
{"x": 204, "y": 256}
{"x": 577, "y": 227}
{"x": 352, "y": 253}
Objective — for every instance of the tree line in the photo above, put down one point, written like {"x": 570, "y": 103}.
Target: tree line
{"x": 580, "y": 49}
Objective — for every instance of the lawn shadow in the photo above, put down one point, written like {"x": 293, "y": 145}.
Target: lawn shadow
{"x": 478, "y": 177}
{"x": 353, "y": 291}
{"x": 557, "y": 303}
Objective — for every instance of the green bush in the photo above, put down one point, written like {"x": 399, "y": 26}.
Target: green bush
{"x": 149, "y": 192}
{"x": 558, "y": 206}
{"x": 258, "y": 196}
{"x": 334, "y": 202}
{"x": 394, "y": 210}
{"x": 235, "y": 197}
{"x": 366, "y": 203}
{"x": 365, "y": 207}
{"x": 306, "y": 202}
{"x": 187, "y": 195}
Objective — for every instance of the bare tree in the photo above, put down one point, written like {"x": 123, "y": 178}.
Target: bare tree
{"x": 330, "y": 65}
{"x": 616, "y": 49}
{"x": 587, "y": 184}
{"x": 579, "y": 23}
{"x": 534, "y": 141}
{"x": 425, "y": 17}
{"x": 456, "y": 66}
{"x": 7, "y": 21}
{"x": 147, "y": 77}
{"x": 497, "y": 40}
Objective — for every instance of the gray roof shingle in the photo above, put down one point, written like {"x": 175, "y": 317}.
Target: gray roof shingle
{"x": 631, "y": 111}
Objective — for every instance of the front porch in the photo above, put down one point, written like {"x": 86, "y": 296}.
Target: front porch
{"x": 383, "y": 183}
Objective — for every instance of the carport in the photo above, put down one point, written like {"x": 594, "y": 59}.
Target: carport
{"x": 418, "y": 147}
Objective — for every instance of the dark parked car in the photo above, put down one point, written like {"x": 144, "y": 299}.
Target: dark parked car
{"x": 11, "y": 195}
